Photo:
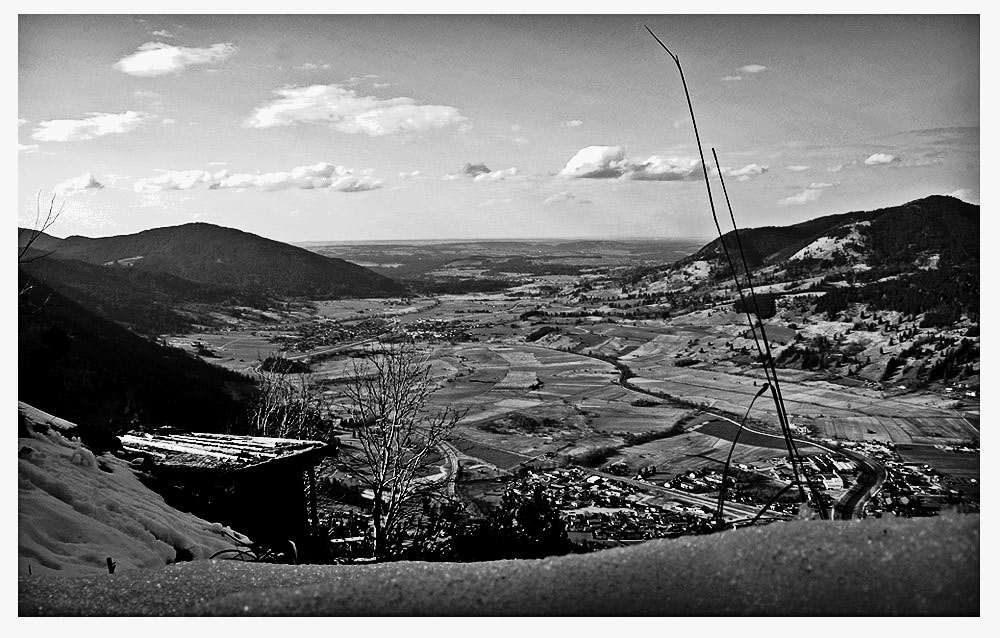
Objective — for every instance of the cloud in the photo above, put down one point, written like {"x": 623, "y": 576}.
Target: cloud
{"x": 177, "y": 181}
{"x": 96, "y": 125}
{"x": 731, "y": 78}
{"x": 83, "y": 184}
{"x": 320, "y": 176}
{"x": 346, "y": 111}
{"x": 609, "y": 162}
{"x": 798, "y": 168}
{"x": 27, "y": 148}
{"x": 409, "y": 175}
{"x": 21, "y": 121}
{"x": 753, "y": 68}
{"x": 880, "y": 158}
{"x": 519, "y": 140}
{"x": 664, "y": 169}
{"x": 323, "y": 175}
{"x": 806, "y": 196}
{"x": 563, "y": 196}
{"x": 572, "y": 123}
{"x": 162, "y": 33}
{"x": 818, "y": 185}
{"x": 746, "y": 173}
{"x": 682, "y": 122}
{"x": 495, "y": 176}
{"x": 157, "y": 58}
{"x": 474, "y": 170}
{"x": 167, "y": 121}
{"x": 309, "y": 66}
{"x": 596, "y": 162}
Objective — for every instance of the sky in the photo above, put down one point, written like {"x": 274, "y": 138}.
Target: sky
{"x": 354, "y": 127}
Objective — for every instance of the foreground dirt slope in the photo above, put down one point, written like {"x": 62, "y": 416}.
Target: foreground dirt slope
{"x": 870, "y": 567}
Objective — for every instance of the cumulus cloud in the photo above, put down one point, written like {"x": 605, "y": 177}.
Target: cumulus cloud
{"x": 85, "y": 183}
{"x": 495, "y": 176}
{"x": 610, "y": 162}
{"x": 95, "y": 125}
{"x": 177, "y": 181}
{"x": 410, "y": 175}
{"x": 27, "y": 148}
{"x": 806, "y": 196}
{"x": 818, "y": 185}
{"x": 753, "y": 68}
{"x": 346, "y": 111}
{"x": 309, "y": 66}
{"x": 572, "y": 123}
{"x": 663, "y": 169}
{"x": 474, "y": 170}
{"x": 731, "y": 78}
{"x": 157, "y": 58}
{"x": 746, "y": 173}
{"x": 880, "y": 158}
{"x": 320, "y": 176}
{"x": 798, "y": 168}
{"x": 561, "y": 196}
{"x": 163, "y": 33}
{"x": 597, "y": 162}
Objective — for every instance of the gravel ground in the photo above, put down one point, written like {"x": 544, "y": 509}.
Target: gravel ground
{"x": 874, "y": 567}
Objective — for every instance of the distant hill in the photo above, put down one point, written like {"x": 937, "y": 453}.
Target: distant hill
{"x": 918, "y": 258}
{"x": 895, "y": 236}
{"x": 92, "y": 371}
{"x": 228, "y": 258}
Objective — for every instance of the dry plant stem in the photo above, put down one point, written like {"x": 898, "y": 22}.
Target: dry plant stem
{"x": 786, "y": 432}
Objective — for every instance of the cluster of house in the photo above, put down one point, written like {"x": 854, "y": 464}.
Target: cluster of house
{"x": 315, "y": 334}
{"x": 602, "y": 510}
{"x": 450, "y": 330}
{"x": 910, "y": 489}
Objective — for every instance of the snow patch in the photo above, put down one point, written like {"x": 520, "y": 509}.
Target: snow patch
{"x": 825, "y": 247}
{"x": 75, "y": 510}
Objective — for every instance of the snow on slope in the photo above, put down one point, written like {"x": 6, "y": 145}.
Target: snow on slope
{"x": 74, "y": 510}
{"x": 825, "y": 247}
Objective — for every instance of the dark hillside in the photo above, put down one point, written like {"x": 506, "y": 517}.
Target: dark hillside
{"x": 72, "y": 362}
{"x": 145, "y": 301}
{"x": 231, "y": 258}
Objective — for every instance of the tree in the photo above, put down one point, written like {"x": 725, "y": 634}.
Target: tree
{"x": 286, "y": 406}
{"x": 397, "y": 439}
{"x": 27, "y": 238}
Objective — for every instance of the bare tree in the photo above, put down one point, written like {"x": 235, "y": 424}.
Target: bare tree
{"x": 28, "y": 237}
{"x": 286, "y": 406}
{"x": 399, "y": 438}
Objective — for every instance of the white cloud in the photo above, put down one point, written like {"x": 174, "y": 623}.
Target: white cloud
{"x": 27, "y": 148}
{"x": 561, "y": 196}
{"x": 96, "y": 125}
{"x": 880, "y": 158}
{"x": 515, "y": 127}
{"x": 519, "y": 141}
{"x": 21, "y": 121}
{"x": 162, "y": 33}
{"x": 798, "y": 168}
{"x": 572, "y": 123}
{"x": 682, "y": 122}
{"x": 409, "y": 175}
{"x": 753, "y": 68}
{"x": 309, "y": 66}
{"x": 746, "y": 173}
{"x": 177, "y": 181}
{"x": 664, "y": 169}
{"x": 167, "y": 121}
{"x": 816, "y": 185}
{"x": 82, "y": 184}
{"x": 731, "y": 78}
{"x": 156, "y": 58}
{"x": 320, "y": 176}
{"x": 495, "y": 176}
{"x": 596, "y": 161}
{"x": 806, "y": 196}
{"x": 346, "y": 111}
